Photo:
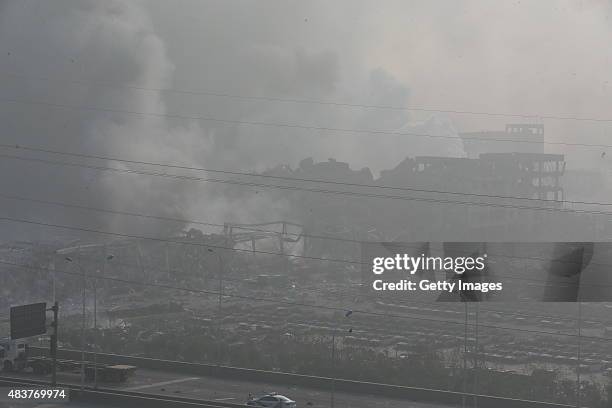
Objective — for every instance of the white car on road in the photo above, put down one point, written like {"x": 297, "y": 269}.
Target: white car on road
{"x": 271, "y": 401}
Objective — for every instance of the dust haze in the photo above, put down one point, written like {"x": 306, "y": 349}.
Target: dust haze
{"x": 427, "y": 122}
{"x": 533, "y": 57}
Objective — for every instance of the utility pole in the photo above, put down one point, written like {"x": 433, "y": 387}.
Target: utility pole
{"x": 51, "y": 266}
{"x": 95, "y": 288}
{"x": 578, "y": 390}
{"x": 332, "y": 401}
{"x": 221, "y": 271}
{"x": 55, "y": 308}
{"x": 476, "y": 358}
{"x": 141, "y": 262}
{"x": 69, "y": 259}
{"x": 82, "y": 324}
{"x": 53, "y": 348}
{"x": 282, "y": 248}
{"x": 333, "y": 356}
{"x": 168, "y": 262}
{"x": 465, "y": 350}
{"x": 220, "y": 276}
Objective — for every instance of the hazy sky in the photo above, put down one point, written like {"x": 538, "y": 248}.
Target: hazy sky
{"x": 509, "y": 56}
{"x": 546, "y": 57}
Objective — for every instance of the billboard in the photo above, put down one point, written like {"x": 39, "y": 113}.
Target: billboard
{"x": 28, "y": 320}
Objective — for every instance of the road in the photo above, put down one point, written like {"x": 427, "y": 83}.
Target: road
{"x": 214, "y": 389}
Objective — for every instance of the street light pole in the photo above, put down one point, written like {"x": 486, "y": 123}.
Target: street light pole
{"x": 476, "y": 358}
{"x": 221, "y": 272}
{"x": 51, "y": 267}
{"x": 220, "y": 259}
{"x": 83, "y": 315}
{"x": 53, "y": 350}
{"x": 95, "y": 287}
{"x": 220, "y": 292}
{"x": 333, "y": 384}
{"x": 83, "y": 293}
{"x": 95, "y": 291}
{"x": 465, "y": 350}
{"x": 333, "y": 358}
{"x": 578, "y": 390}
{"x": 69, "y": 259}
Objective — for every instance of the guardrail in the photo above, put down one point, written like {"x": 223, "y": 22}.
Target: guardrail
{"x": 290, "y": 379}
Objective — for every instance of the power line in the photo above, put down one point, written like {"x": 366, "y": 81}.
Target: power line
{"x": 370, "y": 297}
{"x": 186, "y": 221}
{"x": 179, "y": 220}
{"x": 313, "y": 190}
{"x": 157, "y": 239}
{"x": 292, "y": 303}
{"x": 333, "y": 182}
{"x": 171, "y": 219}
{"x": 404, "y": 303}
{"x": 252, "y": 251}
{"x": 292, "y": 125}
{"x": 312, "y": 101}
{"x": 270, "y": 253}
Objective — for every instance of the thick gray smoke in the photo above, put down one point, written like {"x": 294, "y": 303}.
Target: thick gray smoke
{"x": 305, "y": 50}
{"x": 527, "y": 57}
{"x": 99, "y": 42}
{"x": 107, "y": 45}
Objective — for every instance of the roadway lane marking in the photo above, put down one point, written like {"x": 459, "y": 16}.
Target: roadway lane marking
{"x": 180, "y": 380}
{"x": 224, "y": 399}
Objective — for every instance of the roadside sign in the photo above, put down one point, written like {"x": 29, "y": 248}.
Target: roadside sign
{"x": 28, "y": 320}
